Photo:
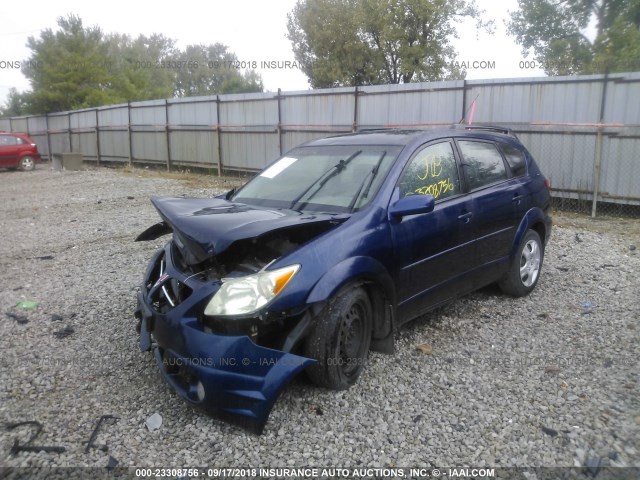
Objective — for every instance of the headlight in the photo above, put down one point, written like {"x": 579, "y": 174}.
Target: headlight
{"x": 244, "y": 295}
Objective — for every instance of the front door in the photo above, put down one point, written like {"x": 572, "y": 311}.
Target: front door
{"x": 433, "y": 248}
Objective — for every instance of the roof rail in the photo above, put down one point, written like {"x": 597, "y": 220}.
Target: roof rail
{"x": 487, "y": 128}
{"x": 373, "y": 129}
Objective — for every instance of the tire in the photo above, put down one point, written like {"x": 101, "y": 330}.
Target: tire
{"x": 27, "y": 163}
{"x": 340, "y": 340}
{"x": 525, "y": 268}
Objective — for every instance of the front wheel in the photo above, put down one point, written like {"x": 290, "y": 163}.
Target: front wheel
{"x": 340, "y": 340}
{"x": 525, "y": 267}
{"x": 27, "y": 164}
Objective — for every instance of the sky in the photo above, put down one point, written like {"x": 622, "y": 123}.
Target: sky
{"x": 253, "y": 29}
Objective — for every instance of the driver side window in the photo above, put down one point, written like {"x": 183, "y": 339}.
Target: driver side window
{"x": 433, "y": 171}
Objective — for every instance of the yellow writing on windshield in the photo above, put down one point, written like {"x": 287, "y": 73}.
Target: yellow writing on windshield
{"x": 433, "y": 166}
{"x": 436, "y": 189}
{"x": 430, "y": 173}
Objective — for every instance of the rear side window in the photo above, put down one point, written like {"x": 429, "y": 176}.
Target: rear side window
{"x": 515, "y": 159}
{"x": 432, "y": 171}
{"x": 482, "y": 163}
{"x": 7, "y": 140}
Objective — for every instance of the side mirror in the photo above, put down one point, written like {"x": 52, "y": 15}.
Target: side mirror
{"x": 412, "y": 205}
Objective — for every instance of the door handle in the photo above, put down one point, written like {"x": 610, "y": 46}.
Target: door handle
{"x": 517, "y": 197}
{"x": 465, "y": 216}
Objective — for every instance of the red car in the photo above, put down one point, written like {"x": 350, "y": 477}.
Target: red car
{"x": 18, "y": 151}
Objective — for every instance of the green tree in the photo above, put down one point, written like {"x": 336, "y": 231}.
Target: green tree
{"x": 16, "y": 104}
{"x": 141, "y": 67}
{"x": 212, "y": 69}
{"x": 78, "y": 67}
{"x": 364, "y": 42}
{"x": 557, "y": 31}
{"x": 68, "y": 69}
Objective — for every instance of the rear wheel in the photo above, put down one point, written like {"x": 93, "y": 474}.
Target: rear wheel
{"x": 525, "y": 268}
{"x": 27, "y": 164}
{"x": 340, "y": 340}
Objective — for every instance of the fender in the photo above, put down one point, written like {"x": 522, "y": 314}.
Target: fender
{"x": 354, "y": 268}
{"x": 533, "y": 216}
{"x": 362, "y": 269}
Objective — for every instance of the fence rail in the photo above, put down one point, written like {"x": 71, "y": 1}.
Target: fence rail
{"x": 584, "y": 131}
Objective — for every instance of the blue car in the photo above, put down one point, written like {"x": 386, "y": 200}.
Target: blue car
{"x": 326, "y": 252}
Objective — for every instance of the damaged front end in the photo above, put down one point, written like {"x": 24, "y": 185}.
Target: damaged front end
{"x": 203, "y": 304}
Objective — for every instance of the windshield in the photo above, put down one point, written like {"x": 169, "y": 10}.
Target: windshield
{"x": 337, "y": 178}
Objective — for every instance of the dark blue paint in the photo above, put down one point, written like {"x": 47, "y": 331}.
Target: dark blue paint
{"x": 418, "y": 253}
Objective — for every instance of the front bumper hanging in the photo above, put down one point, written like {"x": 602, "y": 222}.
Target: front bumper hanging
{"x": 228, "y": 376}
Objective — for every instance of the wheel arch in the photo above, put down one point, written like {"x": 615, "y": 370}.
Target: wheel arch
{"x": 534, "y": 219}
{"x": 373, "y": 277}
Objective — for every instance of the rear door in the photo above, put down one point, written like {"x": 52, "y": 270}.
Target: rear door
{"x": 498, "y": 203}
{"x": 433, "y": 249}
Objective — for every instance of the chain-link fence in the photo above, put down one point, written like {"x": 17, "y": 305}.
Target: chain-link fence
{"x": 586, "y": 162}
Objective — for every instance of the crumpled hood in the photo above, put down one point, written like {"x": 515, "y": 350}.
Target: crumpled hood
{"x": 208, "y": 226}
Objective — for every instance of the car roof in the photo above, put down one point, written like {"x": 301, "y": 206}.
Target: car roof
{"x": 13, "y": 134}
{"x": 404, "y": 136}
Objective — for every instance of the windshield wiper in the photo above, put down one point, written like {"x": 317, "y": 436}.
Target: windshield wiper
{"x": 371, "y": 176}
{"x": 323, "y": 179}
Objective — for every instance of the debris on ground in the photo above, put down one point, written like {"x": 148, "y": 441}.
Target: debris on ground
{"x": 65, "y": 332}
{"x": 587, "y": 307}
{"x": 91, "y": 443}
{"x": 20, "y": 319}
{"x": 27, "y": 304}
{"x": 154, "y": 422}
{"x": 111, "y": 463}
{"x": 28, "y": 447}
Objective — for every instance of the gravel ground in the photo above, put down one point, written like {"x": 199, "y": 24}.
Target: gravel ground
{"x": 548, "y": 380}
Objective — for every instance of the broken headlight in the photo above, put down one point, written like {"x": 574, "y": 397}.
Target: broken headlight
{"x": 246, "y": 295}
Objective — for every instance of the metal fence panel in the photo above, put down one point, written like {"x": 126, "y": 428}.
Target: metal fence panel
{"x": 85, "y": 143}
{"x": 250, "y": 151}
{"x": 113, "y": 117}
{"x": 557, "y": 118}
{"x": 114, "y": 145}
{"x": 37, "y": 125}
{"x": 249, "y": 115}
{"x": 319, "y": 108}
{"x": 622, "y": 99}
{"x": 199, "y": 148}
{"x": 19, "y": 125}
{"x": 423, "y": 104}
{"x": 148, "y": 115}
{"x": 536, "y": 100}
{"x": 82, "y": 120}
{"x": 59, "y": 122}
{"x": 149, "y": 146}
{"x": 59, "y": 142}
{"x": 620, "y": 170}
{"x": 195, "y": 111}
{"x": 551, "y": 151}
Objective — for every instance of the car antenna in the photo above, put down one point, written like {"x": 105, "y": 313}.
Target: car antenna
{"x": 472, "y": 106}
